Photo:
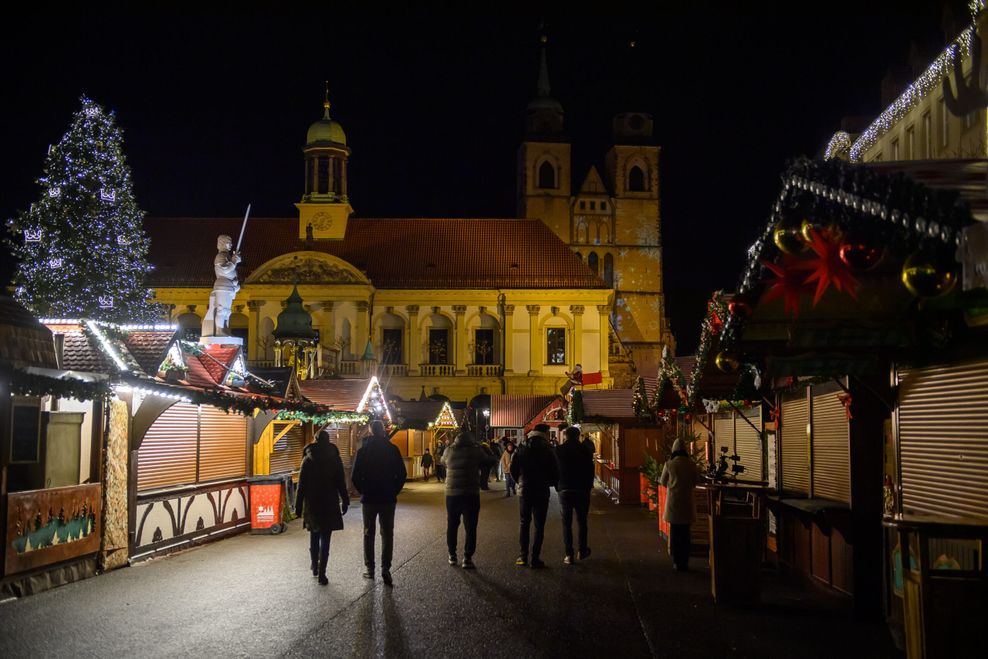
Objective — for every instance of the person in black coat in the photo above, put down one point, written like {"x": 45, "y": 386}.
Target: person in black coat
{"x": 534, "y": 467}
{"x": 321, "y": 499}
{"x": 379, "y": 475}
{"x": 575, "y": 482}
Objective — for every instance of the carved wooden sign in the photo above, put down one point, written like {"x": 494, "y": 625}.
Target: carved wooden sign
{"x": 50, "y": 526}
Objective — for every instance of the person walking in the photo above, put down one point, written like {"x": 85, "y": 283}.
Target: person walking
{"x": 464, "y": 460}
{"x": 534, "y": 468}
{"x": 679, "y": 476}
{"x": 575, "y": 482}
{"x": 496, "y": 469}
{"x": 440, "y": 467}
{"x": 427, "y": 465}
{"x": 509, "y": 480}
{"x": 321, "y": 499}
{"x": 484, "y": 471}
{"x": 379, "y": 475}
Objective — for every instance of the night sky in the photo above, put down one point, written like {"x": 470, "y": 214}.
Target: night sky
{"x": 215, "y": 107}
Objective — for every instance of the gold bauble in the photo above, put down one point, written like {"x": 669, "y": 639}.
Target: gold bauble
{"x": 806, "y": 229}
{"x": 929, "y": 275}
{"x": 727, "y": 362}
{"x": 788, "y": 239}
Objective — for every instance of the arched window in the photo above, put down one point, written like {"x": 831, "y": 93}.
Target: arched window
{"x": 547, "y": 175}
{"x": 592, "y": 262}
{"x": 609, "y": 270}
{"x": 603, "y": 233}
{"x": 581, "y": 232}
{"x": 636, "y": 179}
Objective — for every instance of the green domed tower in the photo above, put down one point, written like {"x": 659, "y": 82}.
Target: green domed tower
{"x": 295, "y": 342}
{"x": 325, "y": 207}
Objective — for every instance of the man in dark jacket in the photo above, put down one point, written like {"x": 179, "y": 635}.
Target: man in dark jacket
{"x": 464, "y": 460}
{"x": 321, "y": 490}
{"x": 378, "y": 474}
{"x": 534, "y": 467}
{"x": 575, "y": 482}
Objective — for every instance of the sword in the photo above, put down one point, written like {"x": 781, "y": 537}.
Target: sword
{"x": 242, "y": 229}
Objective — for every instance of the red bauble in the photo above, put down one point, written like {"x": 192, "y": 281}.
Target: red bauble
{"x": 738, "y": 307}
{"x": 860, "y": 251}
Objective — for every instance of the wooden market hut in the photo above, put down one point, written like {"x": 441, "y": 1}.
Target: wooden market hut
{"x": 421, "y": 425}
{"x": 512, "y": 414}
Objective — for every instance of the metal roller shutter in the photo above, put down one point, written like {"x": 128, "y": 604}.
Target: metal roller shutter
{"x": 943, "y": 439}
{"x": 222, "y": 445}
{"x": 793, "y": 446}
{"x": 724, "y": 433}
{"x": 831, "y": 446}
{"x": 167, "y": 455}
{"x": 749, "y": 442}
{"x": 287, "y": 454}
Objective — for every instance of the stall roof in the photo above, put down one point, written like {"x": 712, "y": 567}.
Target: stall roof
{"x": 23, "y": 340}
{"x": 613, "y": 404}
{"x": 510, "y": 411}
{"x": 349, "y": 395}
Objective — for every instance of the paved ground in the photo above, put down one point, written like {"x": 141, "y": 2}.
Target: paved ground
{"x": 254, "y": 596}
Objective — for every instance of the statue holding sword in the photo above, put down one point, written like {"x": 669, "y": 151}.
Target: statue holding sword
{"x": 217, "y": 320}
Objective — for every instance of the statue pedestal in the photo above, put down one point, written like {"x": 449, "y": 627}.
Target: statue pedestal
{"x": 221, "y": 340}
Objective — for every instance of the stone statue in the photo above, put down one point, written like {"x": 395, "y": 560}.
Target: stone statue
{"x": 217, "y": 320}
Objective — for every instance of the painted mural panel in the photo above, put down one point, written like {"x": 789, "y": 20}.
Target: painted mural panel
{"x": 51, "y": 526}
{"x": 165, "y": 521}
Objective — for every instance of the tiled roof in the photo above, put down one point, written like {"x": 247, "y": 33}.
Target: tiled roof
{"x": 217, "y": 359}
{"x": 24, "y": 341}
{"x": 516, "y": 411}
{"x": 148, "y": 348}
{"x": 394, "y": 253}
{"x": 79, "y": 353}
{"x": 342, "y": 395}
{"x": 418, "y": 411}
{"x": 609, "y": 403}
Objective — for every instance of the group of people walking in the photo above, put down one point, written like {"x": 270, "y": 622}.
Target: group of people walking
{"x": 533, "y": 468}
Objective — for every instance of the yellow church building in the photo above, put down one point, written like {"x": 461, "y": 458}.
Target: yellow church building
{"x": 457, "y": 307}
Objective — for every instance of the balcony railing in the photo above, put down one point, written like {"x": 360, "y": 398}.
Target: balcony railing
{"x": 260, "y": 363}
{"x": 432, "y": 370}
{"x": 393, "y": 370}
{"x": 351, "y": 368}
{"x": 484, "y": 370}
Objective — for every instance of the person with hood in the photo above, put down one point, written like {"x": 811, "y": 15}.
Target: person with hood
{"x": 464, "y": 460}
{"x": 534, "y": 468}
{"x": 379, "y": 475}
{"x": 679, "y": 476}
{"x": 575, "y": 482}
{"x": 321, "y": 499}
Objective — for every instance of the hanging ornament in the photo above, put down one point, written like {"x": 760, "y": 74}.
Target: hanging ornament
{"x": 861, "y": 250}
{"x": 929, "y": 275}
{"x": 828, "y": 268}
{"x": 33, "y": 235}
{"x": 105, "y": 302}
{"x": 806, "y": 229}
{"x": 739, "y": 307}
{"x": 123, "y": 240}
{"x": 727, "y": 362}
{"x": 789, "y": 283}
{"x": 108, "y": 194}
{"x": 788, "y": 239}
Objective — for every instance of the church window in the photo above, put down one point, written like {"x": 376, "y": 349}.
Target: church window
{"x": 609, "y": 270}
{"x": 592, "y": 262}
{"x": 581, "y": 232}
{"x": 593, "y": 205}
{"x": 322, "y": 185}
{"x": 583, "y": 205}
{"x": 337, "y": 176}
{"x": 555, "y": 348}
{"x": 603, "y": 205}
{"x": 391, "y": 346}
{"x": 636, "y": 179}
{"x": 603, "y": 233}
{"x": 547, "y": 175}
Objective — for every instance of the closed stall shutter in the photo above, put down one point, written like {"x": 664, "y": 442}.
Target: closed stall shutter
{"x": 167, "y": 455}
{"x": 795, "y": 467}
{"x": 943, "y": 439}
{"x": 222, "y": 445}
{"x": 831, "y": 462}
{"x": 749, "y": 442}
{"x": 287, "y": 454}
{"x": 724, "y": 433}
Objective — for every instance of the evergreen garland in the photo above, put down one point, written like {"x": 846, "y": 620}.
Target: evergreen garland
{"x": 81, "y": 249}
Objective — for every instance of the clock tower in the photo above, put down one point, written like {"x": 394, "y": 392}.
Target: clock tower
{"x": 325, "y": 207}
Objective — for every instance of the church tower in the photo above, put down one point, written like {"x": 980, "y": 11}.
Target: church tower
{"x": 325, "y": 207}
{"x": 544, "y": 160}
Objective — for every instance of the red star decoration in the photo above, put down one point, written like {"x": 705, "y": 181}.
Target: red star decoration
{"x": 827, "y": 266}
{"x": 789, "y": 283}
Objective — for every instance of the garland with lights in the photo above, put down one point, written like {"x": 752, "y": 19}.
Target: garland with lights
{"x": 711, "y": 328}
{"x": 838, "y": 144}
{"x": 640, "y": 404}
{"x": 323, "y": 418}
{"x": 23, "y": 383}
{"x": 81, "y": 249}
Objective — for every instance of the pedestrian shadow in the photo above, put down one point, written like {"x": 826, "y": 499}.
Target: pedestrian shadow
{"x": 511, "y": 607}
{"x": 378, "y": 631}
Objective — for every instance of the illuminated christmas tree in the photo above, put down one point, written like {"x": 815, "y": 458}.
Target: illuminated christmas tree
{"x": 81, "y": 248}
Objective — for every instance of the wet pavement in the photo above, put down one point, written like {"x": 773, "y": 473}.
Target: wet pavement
{"x": 255, "y": 596}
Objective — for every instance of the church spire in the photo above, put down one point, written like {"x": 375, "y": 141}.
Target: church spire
{"x": 544, "y": 114}
{"x": 325, "y": 103}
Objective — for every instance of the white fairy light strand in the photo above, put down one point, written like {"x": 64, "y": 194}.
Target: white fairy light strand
{"x": 914, "y": 93}
{"x": 839, "y": 143}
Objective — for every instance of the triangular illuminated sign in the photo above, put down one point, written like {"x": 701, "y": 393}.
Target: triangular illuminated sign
{"x": 446, "y": 418}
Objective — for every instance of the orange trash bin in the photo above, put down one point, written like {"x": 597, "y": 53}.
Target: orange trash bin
{"x": 266, "y": 502}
